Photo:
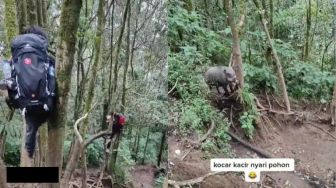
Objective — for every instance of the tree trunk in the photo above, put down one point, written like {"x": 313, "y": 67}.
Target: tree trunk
{"x": 66, "y": 44}
{"x": 114, "y": 154}
{"x": 32, "y": 12}
{"x": 10, "y": 21}
{"x": 21, "y": 9}
{"x": 162, "y": 147}
{"x": 333, "y": 103}
{"x": 308, "y": 19}
{"x": 271, "y": 18}
{"x": 71, "y": 164}
{"x": 97, "y": 59}
{"x": 145, "y": 149}
{"x": 25, "y": 160}
{"x": 119, "y": 47}
{"x": 76, "y": 152}
{"x": 39, "y": 8}
{"x": 236, "y": 53}
{"x": 277, "y": 61}
{"x": 43, "y": 145}
{"x": 44, "y": 5}
{"x": 2, "y": 143}
{"x": 3, "y": 176}
{"x": 123, "y": 98}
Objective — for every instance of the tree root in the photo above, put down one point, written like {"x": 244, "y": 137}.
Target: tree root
{"x": 178, "y": 184}
{"x": 261, "y": 152}
{"x": 334, "y": 137}
{"x": 202, "y": 139}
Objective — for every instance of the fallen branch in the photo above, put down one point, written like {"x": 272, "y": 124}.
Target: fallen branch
{"x": 249, "y": 146}
{"x": 276, "y": 112}
{"x": 190, "y": 182}
{"x": 202, "y": 139}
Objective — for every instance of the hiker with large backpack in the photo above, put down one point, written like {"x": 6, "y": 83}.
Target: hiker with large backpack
{"x": 32, "y": 87}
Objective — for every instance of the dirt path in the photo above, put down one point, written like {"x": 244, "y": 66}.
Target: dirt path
{"x": 294, "y": 136}
{"x": 143, "y": 176}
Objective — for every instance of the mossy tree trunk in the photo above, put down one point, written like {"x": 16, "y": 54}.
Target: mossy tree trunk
{"x": 32, "y": 12}
{"x": 281, "y": 78}
{"x": 115, "y": 83}
{"x": 21, "y": 9}
{"x": 3, "y": 177}
{"x": 237, "y": 64}
{"x": 333, "y": 102}
{"x": 66, "y": 47}
{"x": 76, "y": 152}
{"x": 115, "y": 145}
{"x": 128, "y": 57}
{"x": 308, "y": 26}
{"x": 10, "y": 22}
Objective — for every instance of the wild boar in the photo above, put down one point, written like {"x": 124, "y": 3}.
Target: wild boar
{"x": 221, "y": 76}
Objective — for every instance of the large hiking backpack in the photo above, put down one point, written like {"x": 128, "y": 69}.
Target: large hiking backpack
{"x": 31, "y": 65}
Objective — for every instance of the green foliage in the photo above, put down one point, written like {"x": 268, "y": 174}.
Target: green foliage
{"x": 246, "y": 121}
{"x": 94, "y": 153}
{"x": 306, "y": 81}
{"x": 260, "y": 78}
{"x": 159, "y": 181}
{"x": 250, "y": 113}
{"x": 12, "y": 151}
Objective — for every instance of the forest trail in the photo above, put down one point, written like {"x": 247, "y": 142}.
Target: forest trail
{"x": 305, "y": 136}
{"x": 143, "y": 176}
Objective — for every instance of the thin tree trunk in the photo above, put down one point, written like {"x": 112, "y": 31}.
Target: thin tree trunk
{"x": 146, "y": 144}
{"x": 271, "y": 18}
{"x": 308, "y": 19}
{"x": 333, "y": 103}
{"x": 108, "y": 96}
{"x": 21, "y": 9}
{"x": 123, "y": 98}
{"x": 162, "y": 147}
{"x": 114, "y": 154}
{"x": 3, "y": 175}
{"x": 236, "y": 53}
{"x": 64, "y": 60}
{"x": 32, "y": 12}
{"x": 277, "y": 61}
{"x": 2, "y": 143}
{"x": 97, "y": 59}
{"x": 119, "y": 47}
{"x": 137, "y": 144}
{"x": 71, "y": 164}
{"x": 44, "y": 13}
{"x": 39, "y": 11}
{"x": 10, "y": 21}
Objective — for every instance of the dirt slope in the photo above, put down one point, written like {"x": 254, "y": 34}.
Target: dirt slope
{"x": 305, "y": 136}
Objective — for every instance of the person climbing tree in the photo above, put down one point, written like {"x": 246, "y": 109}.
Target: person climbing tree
{"x": 117, "y": 121}
{"x": 32, "y": 85}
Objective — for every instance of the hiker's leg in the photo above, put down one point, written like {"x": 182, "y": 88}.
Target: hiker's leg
{"x": 31, "y": 130}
